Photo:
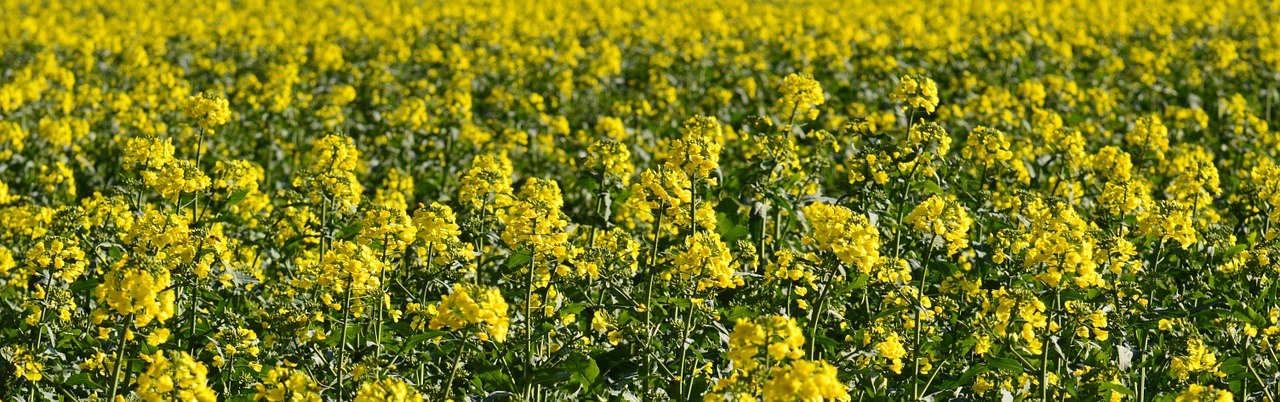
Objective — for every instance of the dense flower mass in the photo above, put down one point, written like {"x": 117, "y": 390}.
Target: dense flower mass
{"x": 175, "y": 377}
{"x": 557, "y": 200}
{"x": 944, "y": 220}
{"x": 850, "y": 237}
{"x": 465, "y": 307}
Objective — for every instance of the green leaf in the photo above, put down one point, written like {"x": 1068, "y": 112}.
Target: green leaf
{"x": 738, "y": 312}
{"x": 1232, "y": 366}
{"x": 1236, "y": 249}
{"x": 493, "y": 379}
{"x": 519, "y": 259}
{"x": 236, "y": 197}
{"x": 84, "y": 284}
{"x": 1107, "y": 386}
{"x": 573, "y": 308}
{"x": 857, "y": 283}
{"x": 349, "y": 232}
{"x": 1011, "y": 365}
{"x": 81, "y": 379}
{"x": 588, "y": 375}
{"x": 928, "y": 186}
{"x": 419, "y": 338}
{"x": 730, "y": 231}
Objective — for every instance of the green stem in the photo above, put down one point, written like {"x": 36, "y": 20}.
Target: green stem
{"x": 687, "y": 330}
{"x": 193, "y": 317}
{"x": 528, "y": 324}
{"x": 924, "y": 266}
{"x": 377, "y": 329}
{"x": 648, "y": 297}
{"x": 1044, "y": 356}
{"x": 453, "y": 372}
{"x": 342, "y": 342}
{"x": 195, "y": 206}
{"x": 817, "y": 316}
{"x": 115, "y": 377}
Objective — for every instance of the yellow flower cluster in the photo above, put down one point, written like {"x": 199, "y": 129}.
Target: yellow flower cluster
{"x": 460, "y": 308}
{"x": 665, "y": 191}
{"x": 177, "y": 377}
{"x": 1195, "y": 180}
{"x": 1058, "y": 239}
{"x": 892, "y": 350}
{"x": 132, "y": 287}
{"x": 611, "y": 160}
{"x": 806, "y": 381}
{"x": 151, "y": 153}
{"x": 918, "y": 91}
{"x": 345, "y": 266}
{"x": 697, "y": 151}
{"x": 778, "y": 336}
{"x": 987, "y": 146}
{"x": 799, "y": 96}
{"x": 230, "y": 343}
{"x": 536, "y": 222}
{"x": 11, "y": 139}
{"x": 160, "y": 170}
{"x": 210, "y": 110}
{"x": 1170, "y": 221}
{"x": 177, "y": 177}
{"x": 1149, "y": 135}
{"x": 943, "y": 219}
{"x": 838, "y": 231}
{"x": 25, "y": 365}
{"x": 1198, "y": 359}
{"x": 284, "y": 384}
{"x": 164, "y": 238}
{"x": 331, "y": 177}
{"x": 1200, "y": 393}
{"x": 391, "y": 229}
{"x": 786, "y": 265}
{"x": 486, "y": 183}
{"x": 787, "y": 377}
{"x": 706, "y": 260}
{"x": 387, "y": 390}
{"x": 62, "y": 257}
{"x": 437, "y": 229}
{"x": 930, "y": 143}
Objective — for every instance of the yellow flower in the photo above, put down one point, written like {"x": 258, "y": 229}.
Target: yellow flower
{"x": 208, "y": 109}
{"x": 600, "y": 321}
{"x": 706, "y": 259}
{"x": 779, "y": 335}
{"x": 850, "y": 237}
{"x": 473, "y": 306}
{"x": 176, "y": 377}
{"x": 918, "y": 91}
{"x": 1199, "y": 393}
{"x": 387, "y": 390}
{"x": 132, "y": 286}
{"x": 1150, "y": 136}
{"x": 26, "y": 365}
{"x": 1198, "y": 359}
{"x": 810, "y": 381}
{"x": 697, "y": 151}
{"x": 800, "y": 97}
{"x": 891, "y": 349}
{"x": 945, "y": 220}
{"x": 987, "y": 146}
{"x": 285, "y": 384}
{"x": 486, "y": 183}
{"x": 611, "y": 160}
